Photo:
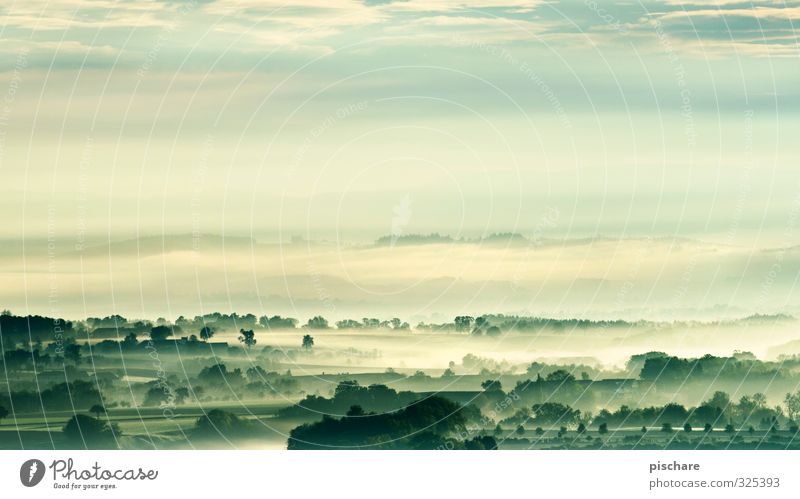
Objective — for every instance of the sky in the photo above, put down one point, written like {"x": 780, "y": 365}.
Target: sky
{"x": 348, "y": 120}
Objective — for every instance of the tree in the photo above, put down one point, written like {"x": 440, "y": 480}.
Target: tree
{"x": 130, "y": 340}
{"x": 792, "y": 403}
{"x": 247, "y": 337}
{"x": 729, "y": 428}
{"x": 560, "y": 376}
{"x": 539, "y": 431}
{"x": 72, "y": 352}
{"x": 206, "y": 333}
{"x": 554, "y": 412}
{"x": 520, "y": 430}
{"x": 721, "y": 400}
{"x": 317, "y": 322}
{"x": 581, "y": 428}
{"x": 97, "y": 409}
{"x": 666, "y": 428}
{"x": 687, "y": 428}
{"x": 493, "y": 331}
{"x": 708, "y": 427}
{"x": 602, "y": 429}
{"x": 355, "y": 411}
{"x": 218, "y": 423}
{"x": 308, "y": 342}
{"x": 463, "y": 323}
{"x": 3, "y": 413}
{"x": 160, "y": 333}
{"x": 90, "y": 431}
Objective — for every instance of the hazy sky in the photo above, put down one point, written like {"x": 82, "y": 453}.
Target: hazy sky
{"x": 238, "y": 116}
{"x": 346, "y": 120}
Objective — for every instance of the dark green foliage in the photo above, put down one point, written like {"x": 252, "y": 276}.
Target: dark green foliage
{"x": 21, "y": 329}
{"x": 160, "y": 333}
{"x": 347, "y": 394}
{"x": 277, "y": 322}
{"x": 218, "y": 375}
{"x": 97, "y": 410}
{"x": 77, "y": 395}
{"x": 247, "y": 337}
{"x": 22, "y": 360}
{"x": 560, "y": 376}
{"x": 90, "y": 432}
{"x": 219, "y": 423}
{"x": 72, "y": 352}
{"x": 317, "y": 322}
{"x": 398, "y": 430}
{"x": 554, "y": 413}
{"x": 206, "y": 333}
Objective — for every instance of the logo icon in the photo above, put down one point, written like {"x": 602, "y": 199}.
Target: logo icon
{"x": 31, "y": 472}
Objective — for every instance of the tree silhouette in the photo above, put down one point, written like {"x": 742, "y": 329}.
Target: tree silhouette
{"x": 560, "y": 376}
{"x": 206, "y": 333}
{"x": 130, "y": 340}
{"x": 97, "y": 409}
{"x": 463, "y": 323}
{"x": 90, "y": 431}
{"x": 602, "y": 429}
{"x": 247, "y": 337}
{"x": 3, "y": 413}
{"x": 308, "y": 342}
{"x": 687, "y": 428}
{"x": 317, "y": 322}
{"x": 792, "y": 403}
{"x": 72, "y": 352}
{"x": 160, "y": 333}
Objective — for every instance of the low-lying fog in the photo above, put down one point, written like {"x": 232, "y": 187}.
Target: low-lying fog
{"x": 418, "y": 280}
{"x": 609, "y": 347}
